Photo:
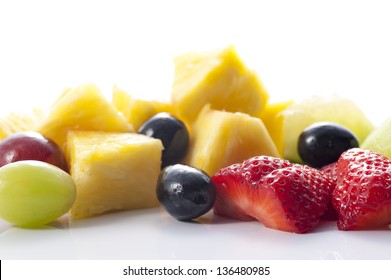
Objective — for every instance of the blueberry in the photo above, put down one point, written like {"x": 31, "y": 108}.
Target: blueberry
{"x": 173, "y": 134}
{"x": 322, "y": 143}
{"x": 185, "y": 192}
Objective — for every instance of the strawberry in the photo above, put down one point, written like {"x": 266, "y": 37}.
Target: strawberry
{"x": 281, "y": 195}
{"x": 362, "y": 196}
{"x": 232, "y": 195}
{"x": 330, "y": 170}
{"x": 256, "y": 168}
{"x": 294, "y": 198}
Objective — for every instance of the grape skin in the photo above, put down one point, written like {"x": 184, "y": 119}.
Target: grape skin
{"x": 34, "y": 193}
{"x": 30, "y": 145}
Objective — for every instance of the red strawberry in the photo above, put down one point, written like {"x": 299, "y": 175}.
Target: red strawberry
{"x": 256, "y": 168}
{"x": 232, "y": 195}
{"x": 281, "y": 195}
{"x": 362, "y": 196}
{"x": 293, "y": 199}
{"x": 330, "y": 170}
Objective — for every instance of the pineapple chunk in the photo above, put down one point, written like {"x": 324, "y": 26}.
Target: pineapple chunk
{"x": 113, "y": 171}
{"x": 138, "y": 111}
{"x": 17, "y": 122}
{"x": 222, "y": 138}
{"x": 274, "y": 122}
{"x": 83, "y": 108}
{"x": 218, "y": 78}
{"x": 120, "y": 100}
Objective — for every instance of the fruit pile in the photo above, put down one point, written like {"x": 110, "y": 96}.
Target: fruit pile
{"x": 220, "y": 143}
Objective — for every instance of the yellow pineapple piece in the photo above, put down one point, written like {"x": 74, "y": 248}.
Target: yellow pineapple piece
{"x": 274, "y": 122}
{"x": 121, "y": 100}
{"x": 82, "y": 108}
{"x": 137, "y": 111}
{"x": 113, "y": 171}
{"x": 222, "y": 138}
{"x": 218, "y": 78}
{"x": 17, "y": 122}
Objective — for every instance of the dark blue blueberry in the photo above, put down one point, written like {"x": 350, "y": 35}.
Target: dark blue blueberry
{"x": 185, "y": 192}
{"x": 322, "y": 143}
{"x": 173, "y": 134}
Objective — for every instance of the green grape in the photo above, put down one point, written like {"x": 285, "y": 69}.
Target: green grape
{"x": 34, "y": 193}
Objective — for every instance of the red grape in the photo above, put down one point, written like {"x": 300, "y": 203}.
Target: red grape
{"x": 31, "y": 146}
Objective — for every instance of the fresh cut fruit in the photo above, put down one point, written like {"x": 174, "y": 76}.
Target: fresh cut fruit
{"x": 330, "y": 170}
{"x": 173, "y": 134}
{"x": 362, "y": 196}
{"x": 322, "y": 143}
{"x": 185, "y": 192}
{"x": 31, "y": 145}
{"x": 330, "y": 108}
{"x": 274, "y": 121}
{"x": 282, "y": 196}
{"x": 219, "y": 139}
{"x": 34, "y": 193}
{"x": 137, "y": 111}
{"x": 219, "y": 78}
{"x": 18, "y": 122}
{"x": 82, "y": 108}
{"x": 113, "y": 171}
{"x": 380, "y": 139}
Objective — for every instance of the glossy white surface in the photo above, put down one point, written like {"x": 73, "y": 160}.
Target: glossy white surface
{"x": 299, "y": 48}
{"x": 152, "y": 234}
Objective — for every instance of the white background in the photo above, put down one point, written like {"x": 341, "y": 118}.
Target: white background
{"x": 299, "y": 48}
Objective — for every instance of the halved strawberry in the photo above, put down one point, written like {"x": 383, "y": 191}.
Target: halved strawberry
{"x": 232, "y": 192}
{"x": 362, "y": 196}
{"x": 330, "y": 170}
{"x": 256, "y": 168}
{"x": 281, "y": 195}
{"x": 292, "y": 199}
